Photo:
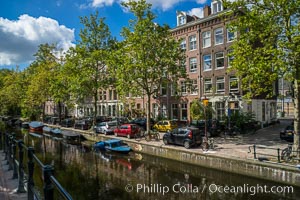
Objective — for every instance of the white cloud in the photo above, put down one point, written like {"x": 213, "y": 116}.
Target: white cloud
{"x": 160, "y": 4}
{"x": 102, "y": 3}
{"x": 20, "y": 39}
{"x": 197, "y": 12}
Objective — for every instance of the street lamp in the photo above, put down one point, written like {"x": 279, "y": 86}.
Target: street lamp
{"x": 205, "y": 104}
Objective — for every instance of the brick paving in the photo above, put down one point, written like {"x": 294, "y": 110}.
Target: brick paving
{"x": 231, "y": 147}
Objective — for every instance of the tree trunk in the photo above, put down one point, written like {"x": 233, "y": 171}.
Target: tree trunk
{"x": 296, "y": 110}
{"x": 148, "y": 111}
{"x": 59, "y": 111}
{"x": 95, "y": 108}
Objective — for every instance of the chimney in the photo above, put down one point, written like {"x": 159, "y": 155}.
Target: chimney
{"x": 206, "y": 11}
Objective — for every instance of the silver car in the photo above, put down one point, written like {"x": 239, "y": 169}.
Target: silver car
{"x": 106, "y": 127}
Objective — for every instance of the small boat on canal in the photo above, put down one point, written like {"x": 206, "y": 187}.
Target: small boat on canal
{"x": 25, "y": 125}
{"x": 72, "y": 137}
{"x": 55, "y": 132}
{"x": 36, "y": 127}
{"x": 113, "y": 145}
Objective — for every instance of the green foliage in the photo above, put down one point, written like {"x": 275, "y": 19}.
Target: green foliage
{"x": 268, "y": 47}
{"x": 86, "y": 64}
{"x": 147, "y": 57}
{"x": 267, "y": 43}
{"x": 199, "y": 112}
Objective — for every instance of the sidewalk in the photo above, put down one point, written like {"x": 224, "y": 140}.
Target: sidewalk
{"x": 8, "y": 186}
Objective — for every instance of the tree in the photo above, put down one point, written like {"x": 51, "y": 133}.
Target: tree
{"x": 147, "y": 57}
{"x": 38, "y": 78}
{"x": 200, "y": 112}
{"x": 87, "y": 62}
{"x": 268, "y": 47}
{"x": 11, "y": 91}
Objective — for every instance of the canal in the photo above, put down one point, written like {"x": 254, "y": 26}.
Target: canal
{"x": 89, "y": 175}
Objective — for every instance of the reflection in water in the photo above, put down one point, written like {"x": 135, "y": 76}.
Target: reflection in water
{"x": 89, "y": 175}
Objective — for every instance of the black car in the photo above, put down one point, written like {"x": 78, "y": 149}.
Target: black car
{"x": 69, "y": 122}
{"x": 287, "y": 133}
{"x": 82, "y": 124}
{"x": 185, "y": 136}
{"x": 142, "y": 122}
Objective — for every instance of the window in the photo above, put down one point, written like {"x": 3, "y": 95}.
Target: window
{"x": 206, "y": 39}
{"x": 220, "y": 108}
{"x": 163, "y": 89}
{"x": 193, "y": 42}
{"x": 233, "y": 84}
{"x": 231, "y": 36}
{"x": 181, "y": 20}
{"x": 194, "y": 86}
{"x": 174, "y": 111}
{"x": 217, "y": 6}
{"x": 219, "y": 59}
{"x": 183, "y": 87}
{"x": 230, "y": 57}
{"x": 102, "y": 95}
{"x": 184, "y": 111}
{"x": 174, "y": 89}
{"x": 183, "y": 44}
{"x": 207, "y": 62}
{"x": 193, "y": 65}
{"x": 219, "y": 37}
{"x": 220, "y": 82}
{"x": 207, "y": 85}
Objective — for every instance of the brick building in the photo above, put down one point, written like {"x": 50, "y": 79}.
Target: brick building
{"x": 206, "y": 41}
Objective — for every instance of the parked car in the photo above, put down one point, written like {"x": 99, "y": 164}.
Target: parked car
{"x": 142, "y": 122}
{"x": 185, "y": 136}
{"x": 82, "y": 125}
{"x": 69, "y": 122}
{"x": 128, "y": 130}
{"x": 165, "y": 125}
{"x": 287, "y": 133}
{"x": 106, "y": 127}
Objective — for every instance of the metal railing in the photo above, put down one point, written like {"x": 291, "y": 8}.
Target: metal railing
{"x": 279, "y": 154}
{"x": 10, "y": 145}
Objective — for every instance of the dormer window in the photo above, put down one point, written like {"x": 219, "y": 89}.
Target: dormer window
{"x": 181, "y": 20}
{"x": 216, "y": 6}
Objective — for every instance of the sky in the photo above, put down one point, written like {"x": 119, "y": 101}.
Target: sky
{"x": 25, "y": 24}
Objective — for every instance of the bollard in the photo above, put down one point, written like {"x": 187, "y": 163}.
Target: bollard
{"x": 30, "y": 185}
{"x": 21, "y": 188}
{"x": 278, "y": 154}
{"x": 14, "y": 149}
{"x": 48, "y": 187}
{"x": 254, "y": 151}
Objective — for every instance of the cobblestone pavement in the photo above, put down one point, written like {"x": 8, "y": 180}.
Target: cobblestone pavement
{"x": 8, "y": 186}
{"x": 231, "y": 147}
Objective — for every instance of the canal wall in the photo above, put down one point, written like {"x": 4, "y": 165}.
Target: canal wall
{"x": 263, "y": 170}
{"x": 271, "y": 171}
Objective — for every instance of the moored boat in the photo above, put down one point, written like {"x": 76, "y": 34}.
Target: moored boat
{"x": 36, "y": 127}
{"x": 72, "y": 137}
{"x": 113, "y": 145}
{"x": 25, "y": 125}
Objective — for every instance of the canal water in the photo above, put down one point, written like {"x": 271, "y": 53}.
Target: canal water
{"x": 89, "y": 175}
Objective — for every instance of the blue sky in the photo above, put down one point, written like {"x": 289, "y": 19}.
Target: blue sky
{"x": 26, "y": 24}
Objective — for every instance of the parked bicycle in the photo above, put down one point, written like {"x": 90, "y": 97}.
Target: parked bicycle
{"x": 152, "y": 134}
{"x": 209, "y": 144}
{"x": 286, "y": 154}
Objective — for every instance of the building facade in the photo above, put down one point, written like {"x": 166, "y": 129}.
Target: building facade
{"x": 206, "y": 42}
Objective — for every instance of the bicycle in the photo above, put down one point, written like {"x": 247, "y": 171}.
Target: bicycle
{"x": 152, "y": 135}
{"x": 286, "y": 154}
{"x": 139, "y": 135}
{"x": 209, "y": 144}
